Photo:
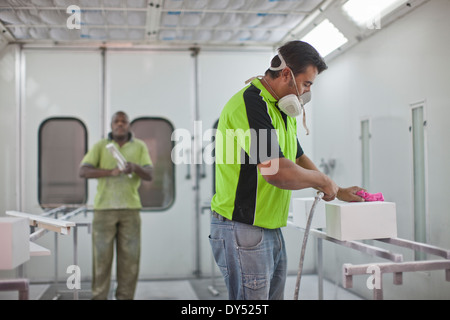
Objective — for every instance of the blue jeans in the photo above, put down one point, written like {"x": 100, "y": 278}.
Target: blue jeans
{"x": 251, "y": 259}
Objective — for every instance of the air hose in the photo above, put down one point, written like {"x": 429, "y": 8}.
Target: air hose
{"x": 318, "y": 197}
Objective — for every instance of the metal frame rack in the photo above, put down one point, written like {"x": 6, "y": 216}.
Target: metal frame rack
{"x": 60, "y": 225}
{"x": 397, "y": 266}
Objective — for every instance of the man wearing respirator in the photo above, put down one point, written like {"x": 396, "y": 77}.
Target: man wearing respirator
{"x": 259, "y": 161}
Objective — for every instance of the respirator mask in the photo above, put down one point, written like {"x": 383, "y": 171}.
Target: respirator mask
{"x": 292, "y": 104}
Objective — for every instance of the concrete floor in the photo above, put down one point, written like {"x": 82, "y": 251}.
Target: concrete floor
{"x": 190, "y": 289}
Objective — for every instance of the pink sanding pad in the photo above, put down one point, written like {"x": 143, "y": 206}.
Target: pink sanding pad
{"x": 370, "y": 197}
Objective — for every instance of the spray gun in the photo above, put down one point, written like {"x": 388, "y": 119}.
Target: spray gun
{"x": 121, "y": 162}
{"x": 317, "y": 198}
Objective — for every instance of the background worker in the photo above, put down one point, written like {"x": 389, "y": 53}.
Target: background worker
{"x": 253, "y": 194}
{"x": 117, "y": 208}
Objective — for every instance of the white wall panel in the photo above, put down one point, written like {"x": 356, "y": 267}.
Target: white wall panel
{"x": 58, "y": 84}
{"x": 9, "y": 183}
{"x": 378, "y": 80}
{"x": 159, "y": 84}
{"x": 8, "y": 114}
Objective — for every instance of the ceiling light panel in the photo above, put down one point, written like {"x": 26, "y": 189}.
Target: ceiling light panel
{"x": 325, "y": 37}
{"x": 368, "y": 13}
{"x": 226, "y": 22}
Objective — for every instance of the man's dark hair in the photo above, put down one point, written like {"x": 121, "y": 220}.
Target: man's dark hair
{"x": 299, "y": 56}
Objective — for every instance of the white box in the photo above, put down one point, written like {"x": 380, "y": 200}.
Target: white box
{"x": 14, "y": 242}
{"x": 349, "y": 221}
{"x": 302, "y": 207}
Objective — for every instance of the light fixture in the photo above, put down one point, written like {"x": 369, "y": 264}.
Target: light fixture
{"x": 325, "y": 37}
{"x": 368, "y": 13}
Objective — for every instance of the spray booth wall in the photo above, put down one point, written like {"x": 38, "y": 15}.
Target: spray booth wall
{"x": 381, "y": 80}
{"x": 39, "y": 84}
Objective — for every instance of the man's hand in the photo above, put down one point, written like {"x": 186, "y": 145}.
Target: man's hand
{"x": 349, "y": 194}
{"x": 330, "y": 189}
{"x": 115, "y": 172}
{"x": 129, "y": 168}
{"x": 144, "y": 173}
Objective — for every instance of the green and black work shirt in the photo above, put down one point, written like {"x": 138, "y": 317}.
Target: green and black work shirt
{"x": 253, "y": 130}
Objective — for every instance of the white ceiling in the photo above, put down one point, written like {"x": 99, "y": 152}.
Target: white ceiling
{"x": 155, "y": 22}
{"x": 186, "y": 23}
